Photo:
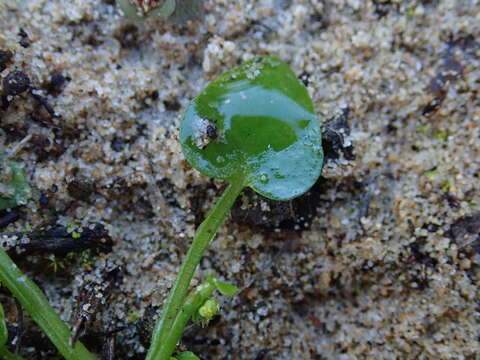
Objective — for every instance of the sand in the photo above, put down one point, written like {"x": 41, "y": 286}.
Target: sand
{"x": 389, "y": 266}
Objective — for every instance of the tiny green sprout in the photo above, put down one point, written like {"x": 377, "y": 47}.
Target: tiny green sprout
{"x": 71, "y": 224}
{"x": 446, "y": 185}
{"x": 472, "y": 204}
{"x": 421, "y": 128}
{"x": 87, "y": 257}
{"x": 76, "y": 235}
{"x": 71, "y": 255}
{"x": 55, "y": 264}
{"x": 411, "y": 11}
{"x": 14, "y": 188}
{"x": 133, "y": 316}
{"x": 253, "y": 126}
{"x": 431, "y": 173}
{"x": 441, "y": 135}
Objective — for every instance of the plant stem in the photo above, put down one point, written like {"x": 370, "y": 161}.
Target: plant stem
{"x": 202, "y": 239}
{"x": 7, "y": 355}
{"x": 36, "y": 304}
{"x": 192, "y": 303}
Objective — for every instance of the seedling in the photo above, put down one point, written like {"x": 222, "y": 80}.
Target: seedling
{"x": 253, "y": 126}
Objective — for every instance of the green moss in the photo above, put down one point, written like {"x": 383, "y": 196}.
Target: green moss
{"x": 431, "y": 173}
{"x": 441, "y": 135}
{"x": 14, "y": 188}
{"x": 446, "y": 185}
{"x": 411, "y": 11}
{"x": 421, "y": 128}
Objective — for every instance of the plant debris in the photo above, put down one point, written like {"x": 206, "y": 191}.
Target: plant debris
{"x": 334, "y": 135}
{"x": 465, "y": 232}
{"x": 61, "y": 241}
{"x": 92, "y": 297}
{"x": 15, "y": 83}
{"x": 5, "y": 58}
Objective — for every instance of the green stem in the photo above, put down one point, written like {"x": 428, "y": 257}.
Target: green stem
{"x": 202, "y": 239}
{"x": 192, "y": 304}
{"x": 35, "y": 303}
{"x": 7, "y": 355}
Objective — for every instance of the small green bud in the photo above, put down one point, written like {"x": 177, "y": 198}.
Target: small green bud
{"x": 209, "y": 309}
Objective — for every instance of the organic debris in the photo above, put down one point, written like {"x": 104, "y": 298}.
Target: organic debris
{"x": 61, "y": 240}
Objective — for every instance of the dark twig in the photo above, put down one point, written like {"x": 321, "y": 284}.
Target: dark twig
{"x": 60, "y": 241}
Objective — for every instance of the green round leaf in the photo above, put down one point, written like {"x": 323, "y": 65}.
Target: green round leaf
{"x": 256, "y": 122}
